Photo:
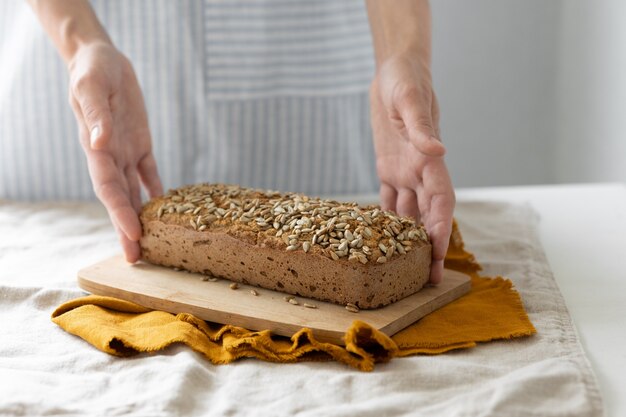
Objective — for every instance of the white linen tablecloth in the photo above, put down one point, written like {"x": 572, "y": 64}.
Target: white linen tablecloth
{"x": 45, "y": 371}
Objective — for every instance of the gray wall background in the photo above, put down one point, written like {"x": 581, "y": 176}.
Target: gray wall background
{"x": 531, "y": 91}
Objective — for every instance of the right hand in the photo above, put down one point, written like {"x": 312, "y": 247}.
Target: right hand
{"x": 114, "y": 134}
{"x": 414, "y": 179}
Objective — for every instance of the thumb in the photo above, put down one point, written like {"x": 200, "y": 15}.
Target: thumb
{"x": 419, "y": 126}
{"x": 93, "y": 101}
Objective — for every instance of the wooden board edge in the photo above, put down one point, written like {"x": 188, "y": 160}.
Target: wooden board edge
{"x": 276, "y": 327}
{"x": 425, "y": 309}
{"x": 155, "y": 303}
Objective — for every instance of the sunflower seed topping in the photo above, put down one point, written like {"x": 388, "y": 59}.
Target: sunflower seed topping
{"x": 340, "y": 231}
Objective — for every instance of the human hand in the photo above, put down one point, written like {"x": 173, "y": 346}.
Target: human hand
{"x": 114, "y": 134}
{"x": 409, "y": 156}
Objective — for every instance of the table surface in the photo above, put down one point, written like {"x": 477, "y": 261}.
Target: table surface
{"x": 583, "y": 231}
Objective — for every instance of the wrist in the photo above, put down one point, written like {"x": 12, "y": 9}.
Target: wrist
{"x": 415, "y": 53}
{"x": 75, "y": 36}
{"x": 405, "y": 67}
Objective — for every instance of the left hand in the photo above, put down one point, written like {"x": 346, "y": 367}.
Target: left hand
{"x": 409, "y": 155}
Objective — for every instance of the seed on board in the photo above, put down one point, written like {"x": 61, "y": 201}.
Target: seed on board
{"x": 307, "y": 305}
{"x": 213, "y": 279}
{"x": 293, "y": 301}
{"x": 233, "y": 286}
{"x": 288, "y": 297}
{"x": 253, "y": 292}
{"x": 306, "y": 246}
{"x": 352, "y": 308}
{"x": 204, "y": 278}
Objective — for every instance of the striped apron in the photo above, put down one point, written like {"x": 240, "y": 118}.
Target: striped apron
{"x": 270, "y": 94}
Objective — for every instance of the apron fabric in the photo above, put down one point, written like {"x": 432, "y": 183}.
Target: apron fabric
{"x": 268, "y": 94}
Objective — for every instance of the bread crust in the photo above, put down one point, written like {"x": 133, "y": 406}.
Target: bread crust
{"x": 255, "y": 256}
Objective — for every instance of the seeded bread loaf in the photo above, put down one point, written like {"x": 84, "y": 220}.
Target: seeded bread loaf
{"x": 322, "y": 249}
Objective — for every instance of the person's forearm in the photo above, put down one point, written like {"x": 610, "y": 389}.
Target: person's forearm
{"x": 69, "y": 23}
{"x": 400, "y": 27}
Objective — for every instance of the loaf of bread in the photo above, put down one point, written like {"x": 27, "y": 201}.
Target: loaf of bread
{"x": 322, "y": 249}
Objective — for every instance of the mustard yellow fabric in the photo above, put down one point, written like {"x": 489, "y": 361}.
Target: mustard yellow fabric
{"x": 492, "y": 310}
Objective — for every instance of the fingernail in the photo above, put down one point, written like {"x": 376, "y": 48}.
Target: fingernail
{"x": 95, "y": 133}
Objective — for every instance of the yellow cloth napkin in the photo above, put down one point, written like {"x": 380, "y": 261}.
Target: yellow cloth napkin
{"x": 492, "y": 310}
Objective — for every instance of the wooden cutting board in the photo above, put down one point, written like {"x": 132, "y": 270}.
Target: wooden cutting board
{"x": 165, "y": 289}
